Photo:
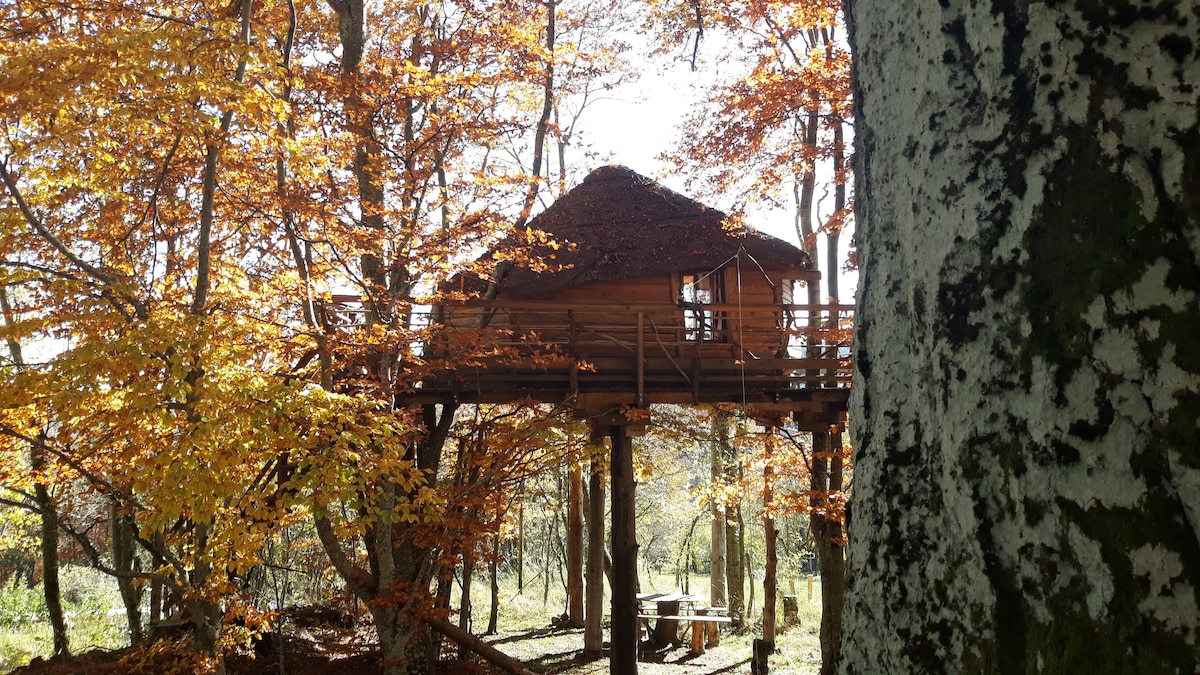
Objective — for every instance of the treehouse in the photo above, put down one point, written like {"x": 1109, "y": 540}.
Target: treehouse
{"x": 640, "y": 296}
{"x": 645, "y": 296}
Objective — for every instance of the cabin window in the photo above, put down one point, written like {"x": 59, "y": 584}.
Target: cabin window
{"x": 696, "y": 291}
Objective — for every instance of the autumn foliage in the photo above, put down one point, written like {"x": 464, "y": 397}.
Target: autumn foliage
{"x": 224, "y": 229}
{"x": 222, "y": 226}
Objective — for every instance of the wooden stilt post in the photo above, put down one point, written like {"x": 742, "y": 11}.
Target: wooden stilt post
{"x": 593, "y": 633}
{"x": 575, "y": 589}
{"x": 623, "y": 654}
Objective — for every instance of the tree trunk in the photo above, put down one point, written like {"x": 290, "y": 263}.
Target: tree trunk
{"x": 624, "y": 632}
{"x": 829, "y": 541}
{"x": 50, "y": 586}
{"x": 719, "y": 443}
{"x": 158, "y": 588}
{"x": 206, "y": 614}
{"x": 769, "y": 581}
{"x": 575, "y": 546}
{"x": 399, "y": 640}
{"x": 444, "y": 588}
{"x": 47, "y": 510}
{"x": 547, "y": 556}
{"x": 493, "y": 626}
{"x": 1027, "y": 381}
{"x": 124, "y": 561}
{"x": 735, "y": 584}
{"x": 521, "y": 542}
{"x": 464, "y": 605}
{"x": 471, "y": 643}
{"x": 747, "y": 566}
{"x": 593, "y": 634}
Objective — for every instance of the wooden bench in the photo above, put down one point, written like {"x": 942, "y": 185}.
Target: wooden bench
{"x": 668, "y": 610}
{"x": 702, "y": 619}
{"x": 699, "y": 622}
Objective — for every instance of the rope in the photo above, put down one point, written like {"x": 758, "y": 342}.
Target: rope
{"x": 718, "y": 268}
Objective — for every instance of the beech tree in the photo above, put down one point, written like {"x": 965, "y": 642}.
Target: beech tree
{"x": 1027, "y": 382}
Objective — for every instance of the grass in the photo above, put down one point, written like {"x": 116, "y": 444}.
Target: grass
{"x": 526, "y": 629}
{"x": 87, "y": 596}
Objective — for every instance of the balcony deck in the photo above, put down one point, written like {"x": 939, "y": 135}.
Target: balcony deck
{"x": 774, "y": 359}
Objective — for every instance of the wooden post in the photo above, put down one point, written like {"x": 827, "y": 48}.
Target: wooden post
{"x": 641, "y": 360}
{"x": 698, "y": 631}
{"x": 623, "y": 653}
{"x": 593, "y": 634}
{"x": 575, "y": 546}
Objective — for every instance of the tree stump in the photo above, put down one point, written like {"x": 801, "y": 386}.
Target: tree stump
{"x": 759, "y": 661}
{"x": 791, "y": 610}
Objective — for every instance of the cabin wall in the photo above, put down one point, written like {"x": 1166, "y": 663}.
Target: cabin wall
{"x": 755, "y": 334}
{"x": 592, "y": 331}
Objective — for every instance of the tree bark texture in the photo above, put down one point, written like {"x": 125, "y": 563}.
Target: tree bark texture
{"x": 1027, "y": 385}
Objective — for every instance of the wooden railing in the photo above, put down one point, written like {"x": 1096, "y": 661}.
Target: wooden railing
{"x": 652, "y": 351}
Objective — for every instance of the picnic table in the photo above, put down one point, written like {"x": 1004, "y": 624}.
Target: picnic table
{"x": 669, "y": 609}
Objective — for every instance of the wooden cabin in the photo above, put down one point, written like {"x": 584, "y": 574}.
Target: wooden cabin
{"x": 648, "y": 297}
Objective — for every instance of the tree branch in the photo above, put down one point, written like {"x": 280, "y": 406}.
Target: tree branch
{"x": 209, "y": 187}
{"x": 45, "y": 233}
{"x": 360, "y": 581}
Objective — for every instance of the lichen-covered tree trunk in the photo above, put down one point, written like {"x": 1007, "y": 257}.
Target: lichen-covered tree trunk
{"x": 1027, "y": 388}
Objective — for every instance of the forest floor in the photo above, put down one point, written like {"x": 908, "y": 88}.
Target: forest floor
{"x": 318, "y": 644}
{"x": 558, "y": 652}
{"x": 339, "y": 640}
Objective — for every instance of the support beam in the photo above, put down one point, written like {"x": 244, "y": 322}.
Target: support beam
{"x": 575, "y": 545}
{"x": 593, "y": 633}
{"x": 623, "y": 653}
{"x": 641, "y": 360}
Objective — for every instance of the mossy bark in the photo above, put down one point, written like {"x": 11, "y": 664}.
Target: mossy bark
{"x": 1027, "y": 453}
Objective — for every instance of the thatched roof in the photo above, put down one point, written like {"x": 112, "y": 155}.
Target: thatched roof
{"x": 624, "y": 226}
